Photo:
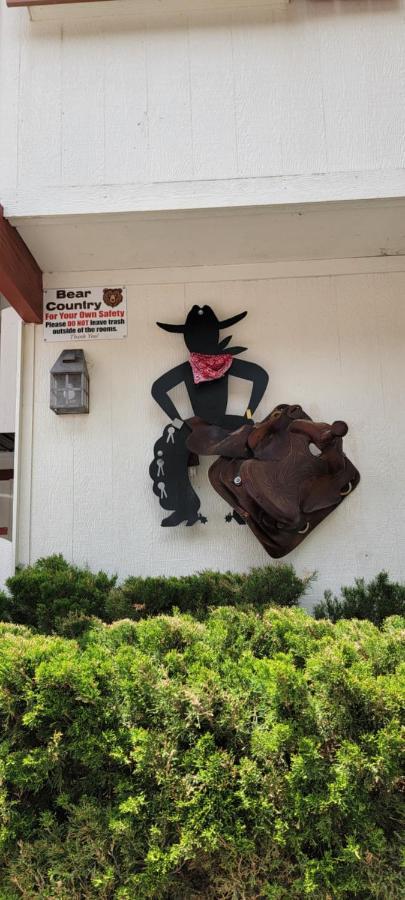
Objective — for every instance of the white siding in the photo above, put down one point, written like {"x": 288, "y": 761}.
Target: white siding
{"x": 10, "y": 358}
{"x": 214, "y": 109}
{"x": 332, "y": 343}
{"x": 316, "y": 89}
{"x": 7, "y": 565}
{"x": 10, "y": 52}
{"x": 9, "y": 349}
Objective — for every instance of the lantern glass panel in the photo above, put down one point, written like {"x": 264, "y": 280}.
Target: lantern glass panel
{"x": 53, "y": 390}
{"x": 70, "y": 389}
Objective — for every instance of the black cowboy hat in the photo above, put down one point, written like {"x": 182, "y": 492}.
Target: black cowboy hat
{"x": 201, "y": 331}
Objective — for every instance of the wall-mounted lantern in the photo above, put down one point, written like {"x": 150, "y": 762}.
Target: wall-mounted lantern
{"x": 70, "y": 384}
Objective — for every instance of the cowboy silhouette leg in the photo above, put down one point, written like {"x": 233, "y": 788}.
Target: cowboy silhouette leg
{"x": 174, "y": 490}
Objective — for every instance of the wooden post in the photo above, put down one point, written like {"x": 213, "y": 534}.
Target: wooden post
{"x": 20, "y": 275}
{"x": 43, "y": 2}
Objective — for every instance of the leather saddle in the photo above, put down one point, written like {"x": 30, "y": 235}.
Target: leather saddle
{"x": 281, "y": 476}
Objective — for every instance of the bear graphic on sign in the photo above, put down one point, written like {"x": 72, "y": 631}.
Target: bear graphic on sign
{"x": 112, "y": 296}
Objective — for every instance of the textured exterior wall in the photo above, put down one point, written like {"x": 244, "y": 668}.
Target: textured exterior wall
{"x": 319, "y": 88}
{"x": 100, "y": 115}
{"x": 10, "y": 358}
{"x": 9, "y": 348}
{"x": 333, "y": 344}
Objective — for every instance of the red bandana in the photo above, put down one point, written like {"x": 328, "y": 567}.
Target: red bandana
{"x": 209, "y": 366}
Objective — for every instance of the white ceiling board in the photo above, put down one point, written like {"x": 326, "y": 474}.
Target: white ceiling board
{"x": 215, "y": 237}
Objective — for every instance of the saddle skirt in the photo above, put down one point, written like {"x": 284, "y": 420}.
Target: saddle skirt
{"x": 282, "y": 476}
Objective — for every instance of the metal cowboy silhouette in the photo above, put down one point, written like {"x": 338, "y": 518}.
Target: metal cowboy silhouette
{"x": 205, "y": 376}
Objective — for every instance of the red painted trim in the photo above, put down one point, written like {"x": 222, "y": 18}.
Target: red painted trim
{"x": 20, "y": 275}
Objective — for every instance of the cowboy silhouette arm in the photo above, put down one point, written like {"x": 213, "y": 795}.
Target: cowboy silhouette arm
{"x": 256, "y": 374}
{"x": 166, "y": 383}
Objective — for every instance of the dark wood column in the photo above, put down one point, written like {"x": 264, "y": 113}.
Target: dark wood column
{"x": 43, "y": 2}
{"x": 20, "y": 275}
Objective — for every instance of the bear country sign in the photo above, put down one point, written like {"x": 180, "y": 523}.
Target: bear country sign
{"x": 85, "y": 314}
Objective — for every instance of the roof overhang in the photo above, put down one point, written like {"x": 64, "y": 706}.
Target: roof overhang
{"x": 188, "y": 240}
{"x": 161, "y": 239}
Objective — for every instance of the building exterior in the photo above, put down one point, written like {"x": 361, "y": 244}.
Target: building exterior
{"x": 248, "y": 154}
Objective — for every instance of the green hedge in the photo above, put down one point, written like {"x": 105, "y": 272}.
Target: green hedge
{"x": 243, "y": 756}
{"x": 43, "y": 595}
{"x": 374, "y": 601}
{"x": 260, "y": 587}
{"x": 55, "y": 596}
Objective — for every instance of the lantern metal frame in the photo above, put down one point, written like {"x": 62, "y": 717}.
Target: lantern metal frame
{"x": 69, "y": 384}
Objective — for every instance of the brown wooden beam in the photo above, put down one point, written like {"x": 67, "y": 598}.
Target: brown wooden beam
{"x": 20, "y": 275}
{"x": 44, "y": 2}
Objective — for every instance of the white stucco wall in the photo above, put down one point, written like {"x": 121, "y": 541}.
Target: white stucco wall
{"x": 332, "y": 343}
{"x": 10, "y": 370}
{"x": 95, "y": 108}
{"x": 225, "y": 108}
{"x": 9, "y": 349}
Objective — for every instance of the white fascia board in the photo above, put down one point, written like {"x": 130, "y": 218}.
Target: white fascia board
{"x": 147, "y": 8}
{"x": 198, "y": 195}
